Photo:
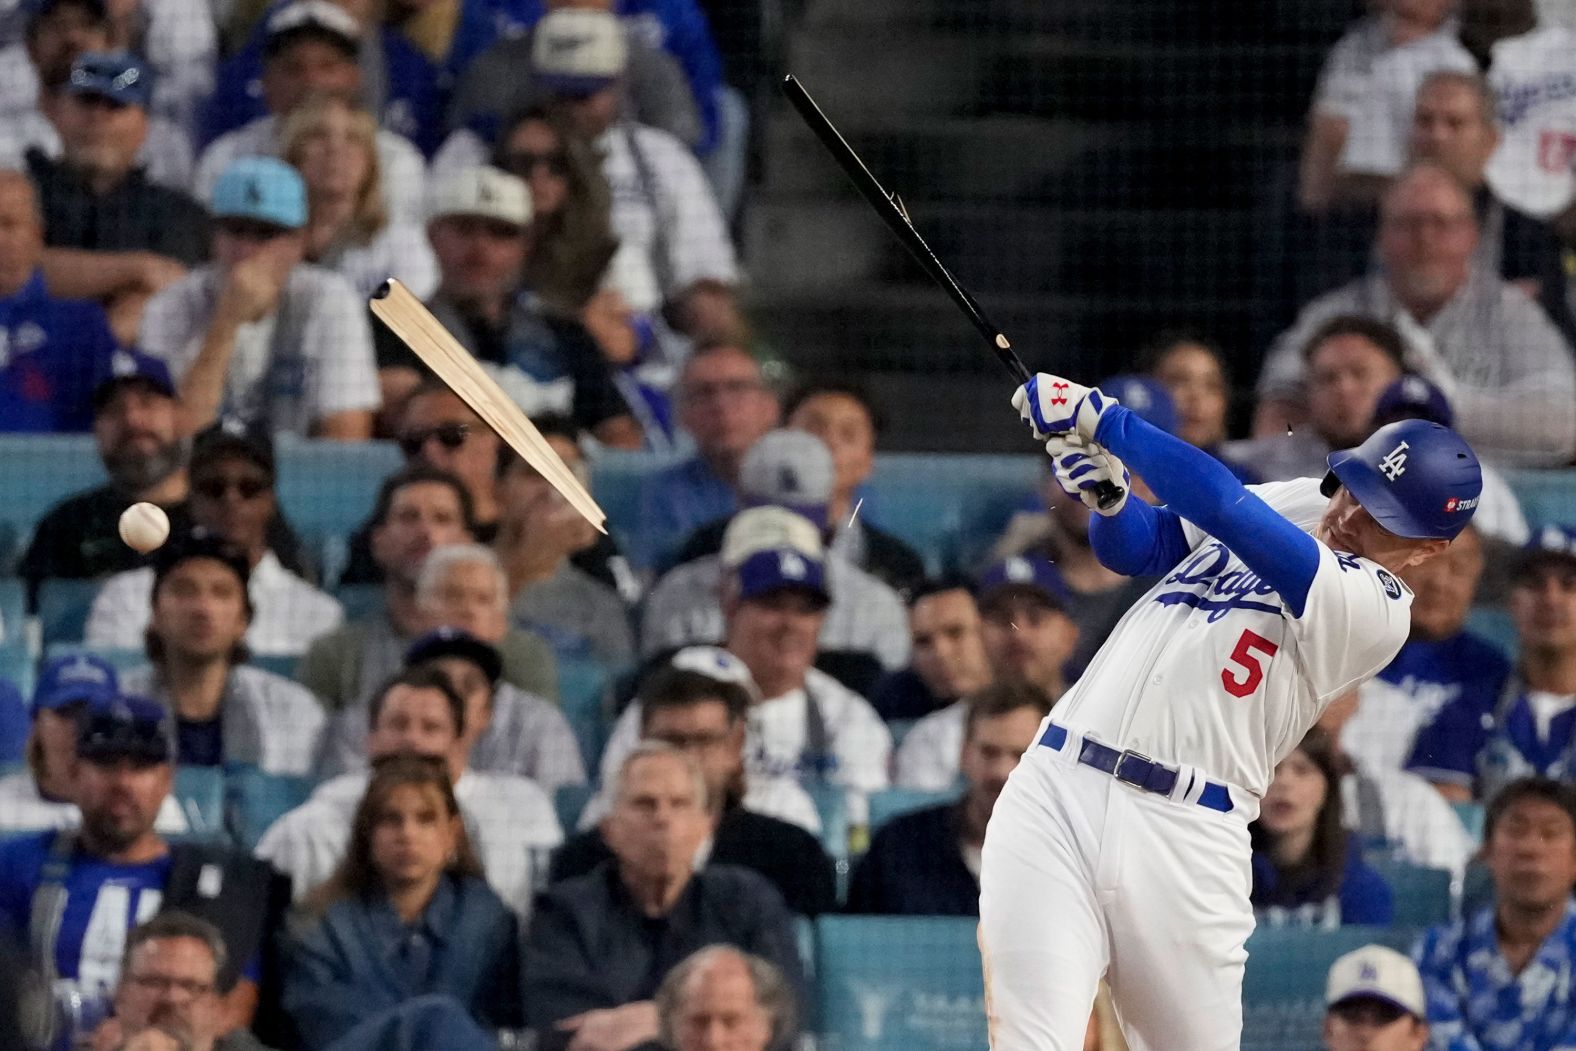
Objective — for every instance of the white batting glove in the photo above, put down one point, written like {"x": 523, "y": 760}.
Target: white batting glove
{"x": 1080, "y": 466}
{"x": 1052, "y": 405}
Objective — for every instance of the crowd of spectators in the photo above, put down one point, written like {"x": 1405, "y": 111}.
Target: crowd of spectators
{"x": 193, "y": 213}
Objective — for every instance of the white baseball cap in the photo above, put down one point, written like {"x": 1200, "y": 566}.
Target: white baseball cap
{"x": 323, "y": 16}
{"x": 768, "y": 529}
{"x": 1376, "y": 972}
{"x": 578, "y": 52}
{"x": 483, "y": 191}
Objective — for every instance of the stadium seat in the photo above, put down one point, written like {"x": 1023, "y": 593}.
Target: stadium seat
{"x": 568, "y": 802}
{"x": 278, "y": 663}
{"x": 200, "y": 792}
{"x": 1283, "y": 987}
{"x": 1494, "y": 626}
{"x": 16, "y": 723}
{"x": 1471, "y": 815}
{"x": 1546, "y": 497}
{"x": 891, "y": 983}
{"x": 63, "y": 607}
{"x": 254, "y": 800}
{"x": 121, "y": 660}
{"x": 1422, "y": 895}
{"x": 13, "y": 614}
{"x": 831, "y": 804}
{"x": 582, "y": 688}
{"x": 36, "y": 472}
{"x": 359, "y": 600}
{"x": 329, "y": 487}
{"x": 18, "y": 667}
{"x": 895, "y": 802}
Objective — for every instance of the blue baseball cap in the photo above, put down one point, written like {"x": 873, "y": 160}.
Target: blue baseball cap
{"x": 455, "y": 642}
{"x": 262, "y": 189}
{"x": 1552, "y": 545}
{"x": 1028, "y": 575}
{"x": 119, "y": 76}
{"x": 127, "y": 727}
{"x": 1413, "y": 397}
{"x": 776, "y": 569}
{"x": 124, "y": 367}
{"x": 1145, "y": 396}
{"x": 80, "y": 677}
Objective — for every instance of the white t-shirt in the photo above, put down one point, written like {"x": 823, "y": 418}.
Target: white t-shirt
{"x": 166, "y": 153}
{"x": 1381, "y": 102}
{"x": 308, "y": 360}
{"x": 400, "y": 165}
{"x": 1417, "y": 820}
{"x": 1210, "y": 668}
{"x": 511, "y": 823}
{"x": 399, "y": 250}
{"x": 288, "y": 614}
{"x": 23, "y": 809}
{"x": 1534, "y": 78}
{"x": 928, "y": 759}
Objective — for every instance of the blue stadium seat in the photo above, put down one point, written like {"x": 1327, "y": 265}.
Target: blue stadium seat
{"x": 1471, "y": 815}
{"x": 568, "y": 802}
{"x": 254, "y": 800}
{"x": 1494, "y": 626}
{"x": 582, "y": 687}
{"x": 831, "y": 803}
{"x": 200, "y": 792}
{"x": 1546, "y": 497}
{"x": 121, "y": 660}
{"x": 37, "y": 471}
{"x": 278, "y": 663}
{"x": 895, "y": 802}
{"x": 329, "y": 487}
{"x": 18, "y": 668}
{"x": 891, "y": 983}
{"x": 1283, "y": 988}
{"x": 63, "y": 607}
{"x": 359, "y": 600}
{"x": 1422, "y": 895}
{"x": 16, "y": 723}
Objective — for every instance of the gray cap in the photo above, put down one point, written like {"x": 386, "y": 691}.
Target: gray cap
{"x": 791, "y": 469}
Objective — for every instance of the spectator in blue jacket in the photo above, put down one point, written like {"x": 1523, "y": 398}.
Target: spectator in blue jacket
{"x": 927, "y": 863}
{"x": 407, "y": 924}
{"x": 53, "y": 351}
{"x": 1499, "y": 980}
{"x": 1307, "y": 871}
{"x": 1480, "y": 742}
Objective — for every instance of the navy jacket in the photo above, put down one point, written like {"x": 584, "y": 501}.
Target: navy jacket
{"x": 915, "y": 868}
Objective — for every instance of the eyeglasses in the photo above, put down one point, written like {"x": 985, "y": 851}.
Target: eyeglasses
{"x": 159, "y": 983}
{"x": 695, "y": 742}
{"x": 451, "y": 435}
{"x": 524, "y": 163}
{"x": 245, "y": 488}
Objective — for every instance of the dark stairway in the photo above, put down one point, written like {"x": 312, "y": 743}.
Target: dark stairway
{"x": 1093, "y": 170}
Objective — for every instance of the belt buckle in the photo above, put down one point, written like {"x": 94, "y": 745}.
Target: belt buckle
{"x": 1139, "y": 780}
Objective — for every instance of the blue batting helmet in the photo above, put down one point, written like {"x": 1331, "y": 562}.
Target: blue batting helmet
{"x": 1416, "y": 478}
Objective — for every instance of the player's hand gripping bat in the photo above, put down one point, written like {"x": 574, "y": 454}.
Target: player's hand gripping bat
{"x": 890, "y": 208}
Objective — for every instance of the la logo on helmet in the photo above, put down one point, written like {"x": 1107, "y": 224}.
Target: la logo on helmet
{"x": 1393, "y": 465}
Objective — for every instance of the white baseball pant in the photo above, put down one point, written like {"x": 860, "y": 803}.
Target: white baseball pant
{"x": 1085, "y": 876}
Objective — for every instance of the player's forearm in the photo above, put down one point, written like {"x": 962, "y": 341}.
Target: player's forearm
{"x": 1140, "y": 540}
{"x": 1201, "y": 489}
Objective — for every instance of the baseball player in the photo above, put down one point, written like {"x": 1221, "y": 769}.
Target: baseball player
{"x": 1120, "y": 845}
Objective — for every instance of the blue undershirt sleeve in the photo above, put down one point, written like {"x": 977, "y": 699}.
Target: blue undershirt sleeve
{"x": 1197, "y": 487}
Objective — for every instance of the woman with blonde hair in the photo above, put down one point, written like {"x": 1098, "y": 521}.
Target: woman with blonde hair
{"x": 407, "y": 923}
{"x": 333, "y": 144}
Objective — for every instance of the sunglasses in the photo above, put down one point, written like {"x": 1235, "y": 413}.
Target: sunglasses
{"x": 451, "y": 435}
{"x": 245, "y": 488}
{"x": 524, "y": 162}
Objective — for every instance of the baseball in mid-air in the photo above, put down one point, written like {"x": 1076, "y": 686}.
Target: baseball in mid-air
{"x": 144, "y": 526}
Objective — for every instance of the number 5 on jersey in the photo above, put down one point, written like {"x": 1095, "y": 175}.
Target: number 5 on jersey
{"x": 1245, "y": 656}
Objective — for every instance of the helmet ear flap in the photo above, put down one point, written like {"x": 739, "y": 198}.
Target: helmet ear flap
{"x": 1329, "y": 485}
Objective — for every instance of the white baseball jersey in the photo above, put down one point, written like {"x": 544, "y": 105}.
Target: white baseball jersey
{"x": 1211, "y": 669}
{"x": 1534, "y": 78}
